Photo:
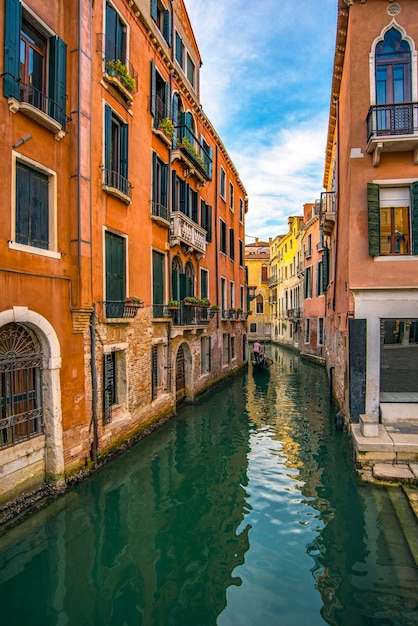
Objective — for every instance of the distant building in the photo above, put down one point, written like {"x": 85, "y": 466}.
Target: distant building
{"x": 257, "y": 262}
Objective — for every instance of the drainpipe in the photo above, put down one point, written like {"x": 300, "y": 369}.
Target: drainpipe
{"x": 94, "y": 391}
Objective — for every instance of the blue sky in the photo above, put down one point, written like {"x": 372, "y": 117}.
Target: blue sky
{"x": 265, "y": 84}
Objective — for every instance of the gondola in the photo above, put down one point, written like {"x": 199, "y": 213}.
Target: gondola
{"x": 262, "y": 364}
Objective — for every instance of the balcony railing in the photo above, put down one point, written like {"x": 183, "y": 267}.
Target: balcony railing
{"x": 117, "y": 185}
{"x": 327, "y": 212}
{"x": 197, "y": 154}
{"x": 392, "y": 128}
{"x": 185, "y": 315}
{"x": 183, "y": 231}
{"x": 294, "y": 313}
{"x": 120, "y": 309}
{"x": 160, "y": 212}
{"x": 273, "y": 280}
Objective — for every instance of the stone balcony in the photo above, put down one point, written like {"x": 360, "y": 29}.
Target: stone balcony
{"x": 185, "y": 232}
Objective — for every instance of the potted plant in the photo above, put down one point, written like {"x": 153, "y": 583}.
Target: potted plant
{"x": 173, "y": 304}
{"x": 167, "y": 126}
{"x": 204, "y": 301}
{"x": 115, "y": 67}
{"x": 232, "y": 313}
{"x": 214, "y": 310}
{"x": 191, "y": 301}
{"x": 134, "y": 301}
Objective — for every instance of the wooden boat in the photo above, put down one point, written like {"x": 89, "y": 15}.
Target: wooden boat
{"x": 262, "y": 364}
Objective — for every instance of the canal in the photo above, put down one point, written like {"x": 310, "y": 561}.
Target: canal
{"x": 244, "y": 510}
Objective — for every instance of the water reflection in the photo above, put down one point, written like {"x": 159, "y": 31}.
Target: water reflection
{"x": 245, "y": 510}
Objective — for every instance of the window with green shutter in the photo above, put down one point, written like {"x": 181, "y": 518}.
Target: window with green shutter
{"x": 35, "y": 66}
{"x": 116, "y": 155}
{"x": 392, "y": 219}
{"x": 115, "y": 264}
{"x": 32, "y": 207}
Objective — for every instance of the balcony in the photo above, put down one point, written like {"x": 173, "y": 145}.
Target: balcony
{"x": 392, "y": 128}
{"x": 327, "y": 212}
{"x": 159, "y": 213}
{"x": 195, "y": 158}
{"x": 119, "y": 309}
{"x": 185, "y": 315}
{"x": 117, "y": 185}
{"x": 185, "y": 232}
{"x": 117, "y": 70}
{"x": 295, "y": 314}
{"x": 39, "y": 107}
{"x": 273, "y": 281}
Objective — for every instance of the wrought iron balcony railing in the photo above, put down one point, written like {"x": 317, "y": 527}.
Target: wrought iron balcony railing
{"x": 392, "y": 119}
{"x": 187, "y": 142}
{"x": 294, "y": 313}
{"x": 120, "y": 309}
{"x": 115, "y": 182}
{"x": 184, "y": 315}
{"x": 159, "y": 211}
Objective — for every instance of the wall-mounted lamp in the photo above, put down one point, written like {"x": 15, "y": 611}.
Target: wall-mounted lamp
{"x": 23, "y": 140}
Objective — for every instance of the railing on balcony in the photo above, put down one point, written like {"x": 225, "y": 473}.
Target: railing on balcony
{"x": 184, "y": 315}
{"x": 120, "y": 309}
{"x": 115, "y": 181}
{"x": 28, "y": 94}
{"x": 184, "y": 231}
{"x": 162, "y": 110}
{"x": 327, "y": 212}
{"x": 392, "y": 119}
{"x": 159, "y": 211}
{"x": 308, "y": 253}
{"x": 273, "y": 280}
{"x": 294, "y": 313}
{"x": 110, "y": 52}
{"x": 198, "y": 154}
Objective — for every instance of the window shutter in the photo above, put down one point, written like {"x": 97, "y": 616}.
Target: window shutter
{"x": 154, "y": 176}
{"x": 414, "y": 198}
{"x": 124, "y": 155}
{"x": 13, "y": 18}
{"x": 182, "y": 198}
{"x": 58, "y": 79}
{"x": 154, "y": 371}
{"x": 153, "y": 87}
{"x": 318, "y": 277}
{"x": 373, "y": 218}
{"x": 108, "y": 376}
{"x": 174, "y": 206}
{"x": 167, "y": 30}
{"x": 209, "y": 223}
{"x": 210, "y": 152}
{"x": 164, "y": 180}
{"x": 154, "y": 10}
{"x": 325, "y": 269}
{"x": 108, "y": 135}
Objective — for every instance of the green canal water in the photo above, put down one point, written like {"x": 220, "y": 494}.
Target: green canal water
{"x": 244, "y": 510}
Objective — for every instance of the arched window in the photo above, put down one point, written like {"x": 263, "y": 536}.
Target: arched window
{"x": 176, "y": 271}
{"x": 259, "y": 302}
{"x": 20, "y": 385}
{"x": 393, "y": 84}
{"x": 177, "y": 112}
{"x": 189, "y": 279}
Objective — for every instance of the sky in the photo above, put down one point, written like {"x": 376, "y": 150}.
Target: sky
{"x": 265, "y": 84}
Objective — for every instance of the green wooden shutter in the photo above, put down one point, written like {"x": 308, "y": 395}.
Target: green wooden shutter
{"x": 115, "y": 266}
{"x": 209, "y": 223}
{"x": 175, "y": 294}
{"x": 57, "y": 79}
{"x": 164, "y": 186}
{"x": 154, "y": 177}
{"x": 154, "y": 10}
{"x": 167, "y": 30}
{"x": 108, "y": 137}
{"x": 325, "y": 269}
{"x": 153, "y": 87}
{"x": 183, "y": 286}
{"x": 414, "y": 212}
{"x": 108, "y": 387}
{"x": 174, "y": 206}
{"x": 373, "y": 204}
{"x": 175, "y": 117}
{"x": 12, "y": 26}
{"x": 318, "y": 278}
{"x": 157, "y": 278}
{"x": 124, "y": 155}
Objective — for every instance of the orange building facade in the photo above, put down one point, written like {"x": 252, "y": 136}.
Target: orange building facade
{"x": 369, "y": 212}
{"x": 122, "y": 225}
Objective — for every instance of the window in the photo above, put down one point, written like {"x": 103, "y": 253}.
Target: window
{"x": 231, "y": 295}
{"x": 241, "y": 297}
{"x": 114, "y": 381}
{"x": 20, "y": 385}
{"x": 253, "y": 327}
{"x": 115, "y": 264}
{"x": 233, "y": 349}
{"x": 206, "y": 219}
{"x": 116, "y": 156}
{"x": 115, "y": 43}
{"x": 35, "y": 219}
{"x": 264, "y": 273}
{"x": 241, "y": 210}
{"x": 308, "y": 282}
{"x": 393, "y": 220}
{"x": 179, "y": 51}
{"x": 222, "y": 183}
{"x": 223, "y": 296}
{"x": 159, "y": 379}
{"x": 308, "y": 249}
{"x": 159, "y": 188}
{"x": 204, "y": 283}
{"x": 307, "y": 330}
{"x": 225, "y": 349}
{"x": 222, "y": 242}
{"x": 231, "y": 196}
{"x": 241, "y": 252}
{"x": 190, "y": 71}
{"x": 320, "y": 331}
{"x": 158, "y": 283}
{"x": 259, "y": 304}
{"x": 231, "y": 244}
{"x": 319, "y": 279}
{"x": 36, "y": 75}
{"x": 205, "y": 353}
{"x": 160, "y": 101}
{"x": 162, "y": 18}
{"x": 393, "y": 84}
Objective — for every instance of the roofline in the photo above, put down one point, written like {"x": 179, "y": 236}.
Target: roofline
{"x": 339, "y": 53}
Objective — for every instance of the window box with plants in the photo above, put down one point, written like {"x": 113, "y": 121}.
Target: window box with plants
{"x": 173, "y": 305}
{"x": 134, "y": 301}
{"x": 115, "y": 68}
{"x": 167, "y": 127}
{"x": 232, "y": 313}
{"x": 191, "y": 301}
{"x": 214, "y": 310}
